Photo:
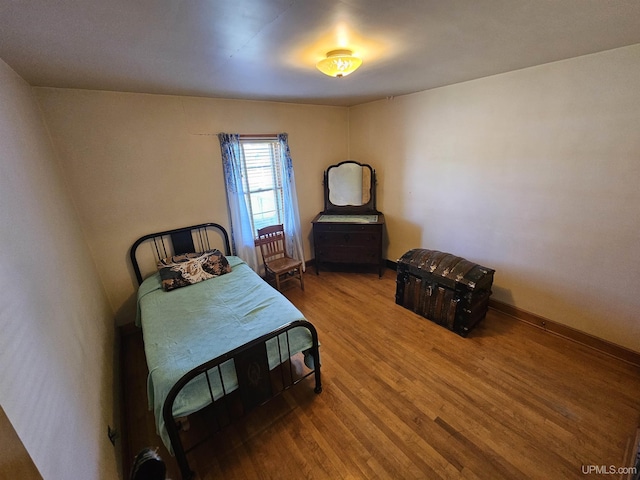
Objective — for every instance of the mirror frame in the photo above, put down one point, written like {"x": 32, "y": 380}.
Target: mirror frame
{"x": 366, "y": 208}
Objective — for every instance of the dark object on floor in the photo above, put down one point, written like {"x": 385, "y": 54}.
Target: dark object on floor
{"x": 449, "y": 290}
{"x": 148, "y": 466}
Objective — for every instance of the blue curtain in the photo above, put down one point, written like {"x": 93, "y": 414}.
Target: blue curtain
{"x": 242, "y": 234}
{"x": 291, "y": 221}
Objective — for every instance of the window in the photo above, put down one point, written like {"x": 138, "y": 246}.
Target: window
{"x": 261, "y": 190}
{"x": 263, "y": 181}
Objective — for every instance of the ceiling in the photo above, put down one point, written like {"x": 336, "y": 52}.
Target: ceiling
{"x": 267, "y": 49}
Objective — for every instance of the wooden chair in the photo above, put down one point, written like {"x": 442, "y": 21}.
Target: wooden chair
{"x": 277, "y": 264}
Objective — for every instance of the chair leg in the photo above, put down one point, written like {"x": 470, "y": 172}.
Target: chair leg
{"x": 277, "y": 282}
{"x": 301, "y": 279}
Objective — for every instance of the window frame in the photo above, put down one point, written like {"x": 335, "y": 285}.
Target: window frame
{"x": 255, "y": 185}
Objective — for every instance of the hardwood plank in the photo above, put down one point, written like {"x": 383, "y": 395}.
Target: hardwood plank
{"x": 406, "y": 398}
{"x": 15, "y": 461}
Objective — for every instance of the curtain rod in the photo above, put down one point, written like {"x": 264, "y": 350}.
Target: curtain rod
{"x": 258, "y": 136}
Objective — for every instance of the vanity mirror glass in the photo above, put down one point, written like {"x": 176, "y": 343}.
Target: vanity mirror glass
{"x": 350, "y": 188}
{"x": 349, "y": 184}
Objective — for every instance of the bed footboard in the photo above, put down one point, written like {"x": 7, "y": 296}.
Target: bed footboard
{"x": 255, "y": 382}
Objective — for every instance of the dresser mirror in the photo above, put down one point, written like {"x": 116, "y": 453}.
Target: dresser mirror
{"x": 350, "y": 187}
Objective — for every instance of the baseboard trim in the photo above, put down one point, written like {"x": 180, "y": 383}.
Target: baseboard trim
{"x": 126, "y": 460}
{"x": 129, "y": 329}
{"x": 569, "y": 333}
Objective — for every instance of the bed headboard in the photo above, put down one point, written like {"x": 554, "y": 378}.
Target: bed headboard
{"x": 148, "y": 249}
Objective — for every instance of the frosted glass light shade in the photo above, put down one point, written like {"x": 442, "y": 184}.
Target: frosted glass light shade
{"x": 339, "y": 63}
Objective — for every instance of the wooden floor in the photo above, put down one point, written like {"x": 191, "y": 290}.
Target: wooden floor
{"x": 404, "y": 398}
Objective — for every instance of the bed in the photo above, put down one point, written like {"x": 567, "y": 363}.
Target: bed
{"x": 224, "y": 342}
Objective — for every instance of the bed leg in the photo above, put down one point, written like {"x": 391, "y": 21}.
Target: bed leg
{"x": 316, "y": 359}
{"x": 181, "y": 457}
{"x": 185, "y": 471}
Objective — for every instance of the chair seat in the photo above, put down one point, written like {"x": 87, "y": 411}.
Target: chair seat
{"x": 281, "y": 265}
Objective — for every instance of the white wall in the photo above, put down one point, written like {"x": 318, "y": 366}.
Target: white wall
{"x": 534, "y": 173}
{"x": 140, "y": 163}
{"x": 56, "y": 340}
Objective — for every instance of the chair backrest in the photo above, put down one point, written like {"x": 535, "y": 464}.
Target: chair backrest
{"x": 272, "y": 242}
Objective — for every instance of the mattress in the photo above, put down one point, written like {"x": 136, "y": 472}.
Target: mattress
{"x": 189, "y": 326}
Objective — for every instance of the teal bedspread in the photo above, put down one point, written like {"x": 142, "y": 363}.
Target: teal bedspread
{"x": 186, "y": 327}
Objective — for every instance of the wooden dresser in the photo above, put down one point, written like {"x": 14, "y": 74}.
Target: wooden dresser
{"x": 349, "y": 239}
{"x": 350, "y": 229}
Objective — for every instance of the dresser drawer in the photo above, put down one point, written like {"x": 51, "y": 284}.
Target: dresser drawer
{"x": 347, "y": 238}
{"x": 348, "y": 255}
{"x": 345, "y": 227}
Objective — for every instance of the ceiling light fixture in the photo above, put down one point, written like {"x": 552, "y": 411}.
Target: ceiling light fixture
{"x": 339, "y": 63}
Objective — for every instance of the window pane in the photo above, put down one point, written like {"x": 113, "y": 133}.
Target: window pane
{"x": 263, "y": 180}
{"x": 263, "y": 202}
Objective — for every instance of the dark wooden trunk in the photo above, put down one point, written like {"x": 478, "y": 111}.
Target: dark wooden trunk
{"x": 446, "y": 289}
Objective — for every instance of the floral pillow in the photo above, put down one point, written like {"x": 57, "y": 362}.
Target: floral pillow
{"x": 189, "y": 268}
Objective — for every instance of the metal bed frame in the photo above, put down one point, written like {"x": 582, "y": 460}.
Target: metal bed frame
{"x": 253, "y": 389}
